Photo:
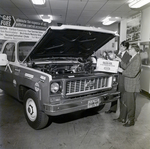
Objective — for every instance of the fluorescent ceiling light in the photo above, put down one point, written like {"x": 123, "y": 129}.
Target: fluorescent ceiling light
{"x": 38, "y": 2}
{"x": 109, "y": 20}
{"x": 46, "y": 18}
{"x": 138, "y": 3}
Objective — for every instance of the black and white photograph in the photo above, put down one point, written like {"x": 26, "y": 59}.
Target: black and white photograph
{"x": 74, "y": 74}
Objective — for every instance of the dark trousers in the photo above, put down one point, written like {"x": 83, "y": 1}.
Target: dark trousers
{"x": 128, "y": 108}
{"x": 113, "y": 106}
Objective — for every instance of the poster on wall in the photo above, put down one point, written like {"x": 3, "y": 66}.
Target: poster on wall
{"x": 134, "y": 28}
{"x": 12, "y": 28}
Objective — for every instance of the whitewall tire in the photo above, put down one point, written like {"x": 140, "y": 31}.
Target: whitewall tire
{"x": 35, "y": 117}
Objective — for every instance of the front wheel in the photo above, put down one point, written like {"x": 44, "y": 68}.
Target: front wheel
{"x": 35, "y": 117}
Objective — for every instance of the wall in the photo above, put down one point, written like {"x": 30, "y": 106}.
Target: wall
{"x": 145, "y": 41}
{"x": 123, "y": 26}
{"x": 145, "y": 25}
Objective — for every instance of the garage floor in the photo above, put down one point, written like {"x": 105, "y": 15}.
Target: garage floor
{"x": 81, "y": 130}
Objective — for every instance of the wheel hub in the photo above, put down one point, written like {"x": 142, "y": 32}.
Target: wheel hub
{"x": 30, "y": 109}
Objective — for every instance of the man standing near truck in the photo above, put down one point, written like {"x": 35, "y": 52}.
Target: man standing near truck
{"x": 131, "y": 73}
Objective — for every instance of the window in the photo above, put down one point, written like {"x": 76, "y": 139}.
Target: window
{"x": 9, "y": 50}
{"x": 24, "y": 48}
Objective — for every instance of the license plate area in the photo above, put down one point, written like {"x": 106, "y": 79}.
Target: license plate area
{"x": 93, "y": 103}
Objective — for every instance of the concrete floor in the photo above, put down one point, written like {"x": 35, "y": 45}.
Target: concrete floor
{"x": 80, "y": 130}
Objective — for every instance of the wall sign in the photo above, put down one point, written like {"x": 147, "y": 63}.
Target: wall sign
{"x": 12, "y": 28}
{"x": 134, "y": 28}
{"x": 11, "y": 21}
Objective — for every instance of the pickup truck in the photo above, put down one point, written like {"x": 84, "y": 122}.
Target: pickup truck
{"x": 56, "y": 75}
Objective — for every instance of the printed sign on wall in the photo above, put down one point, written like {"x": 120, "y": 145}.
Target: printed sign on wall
{"x": 134, "y": 28}
{"x": 12, "y": 28}
{"x": 11, "y": 21}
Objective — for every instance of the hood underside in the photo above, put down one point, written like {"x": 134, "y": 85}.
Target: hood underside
{"x": 70, "y": 41}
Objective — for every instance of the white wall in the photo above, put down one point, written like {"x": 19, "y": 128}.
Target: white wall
{"x": 123, "y": 29}
{"x": 145, "y": 25}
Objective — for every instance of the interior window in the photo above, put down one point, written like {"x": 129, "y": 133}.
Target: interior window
{"x": 9, "y": 50}
{"x": 24, "y": 48}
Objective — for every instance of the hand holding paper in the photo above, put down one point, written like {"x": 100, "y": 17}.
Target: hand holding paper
{"x": 117, "y": 59}
{"x": 120, "y": 69}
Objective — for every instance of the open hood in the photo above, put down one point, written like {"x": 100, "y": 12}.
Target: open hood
{"x": 70, "y": 41}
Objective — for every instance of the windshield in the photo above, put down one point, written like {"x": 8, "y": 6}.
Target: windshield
{"x": 24, "y": 48}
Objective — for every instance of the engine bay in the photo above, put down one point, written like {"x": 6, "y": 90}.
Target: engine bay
{"x": 58, "y": 67}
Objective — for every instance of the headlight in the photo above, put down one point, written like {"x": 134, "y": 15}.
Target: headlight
{"x": 55, "y": 87}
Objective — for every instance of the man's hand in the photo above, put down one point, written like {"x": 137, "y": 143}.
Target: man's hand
{"x": 117, "y": 59}
{"x": 120, "y": 69}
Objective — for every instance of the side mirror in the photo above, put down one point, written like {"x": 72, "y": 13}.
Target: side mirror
{"x": 3, "y": 59}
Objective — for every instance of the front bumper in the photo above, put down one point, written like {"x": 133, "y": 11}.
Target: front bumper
{"x": 82, "y": 103}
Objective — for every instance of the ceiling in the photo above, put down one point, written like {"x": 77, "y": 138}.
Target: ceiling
{"x": 76, "y": 12}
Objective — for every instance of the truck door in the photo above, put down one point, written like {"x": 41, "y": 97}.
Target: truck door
{"x": 7, "y": 72}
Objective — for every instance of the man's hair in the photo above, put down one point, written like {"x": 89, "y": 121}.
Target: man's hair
{"x": 136, "y": 47}
{"x": 125, "y": 44}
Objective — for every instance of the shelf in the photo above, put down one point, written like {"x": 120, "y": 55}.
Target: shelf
{"x": 141, "y": 42}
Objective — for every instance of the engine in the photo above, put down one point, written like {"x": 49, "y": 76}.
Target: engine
{"x": 54, "y": 68}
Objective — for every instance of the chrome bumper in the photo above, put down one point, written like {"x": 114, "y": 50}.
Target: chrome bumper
{"x": 81, "y": 103}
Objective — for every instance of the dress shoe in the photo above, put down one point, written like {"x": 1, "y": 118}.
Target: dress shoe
{"x": 110, "y": 111}
{"x": 120, "y": 120}
{"x": 128, "y": 124}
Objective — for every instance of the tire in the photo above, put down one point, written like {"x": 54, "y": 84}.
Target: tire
{"x": 35, "y": 117}
{"x": 97, "y": 109}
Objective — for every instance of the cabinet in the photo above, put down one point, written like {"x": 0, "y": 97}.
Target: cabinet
{"x": 145, "y": 78}
{"x": 145, "y": 73}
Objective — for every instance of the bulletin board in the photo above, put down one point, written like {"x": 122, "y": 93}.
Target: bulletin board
{"x": 134, "y": 28}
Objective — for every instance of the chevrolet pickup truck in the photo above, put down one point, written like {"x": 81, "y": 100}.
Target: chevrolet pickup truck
{"x": 55, "y": 75}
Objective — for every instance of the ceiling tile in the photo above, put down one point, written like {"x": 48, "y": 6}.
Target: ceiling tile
{"x": 94, "y": 5}
{"x": 6, "y": 4}
{"x": 14, "y": 11}
{"x": 28, "y": 11}
{"x": 58, "y": 4}
{"x": 111, "y": 7}
{"x": 2, "y": 11}
{"x": 44, "y": 11}
{"x": 22, "y": 3}
{"x": 76, "y": 5}
{"x": 120, "y": 2}
{"x": 124, "y": 8}
{"x": 83, "y": 20}
{"x": 73, "y": 12}
{"x": 71, "y": 19}
{"x": 88, "y": 13}
{"x": 61, "y": 12}
{"x": 103, "y": 1}
{"x": 78, "y": 1}
{"x": 34, "y": 17}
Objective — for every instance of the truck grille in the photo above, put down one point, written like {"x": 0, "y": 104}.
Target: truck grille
{"x": 87, "y": 85}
